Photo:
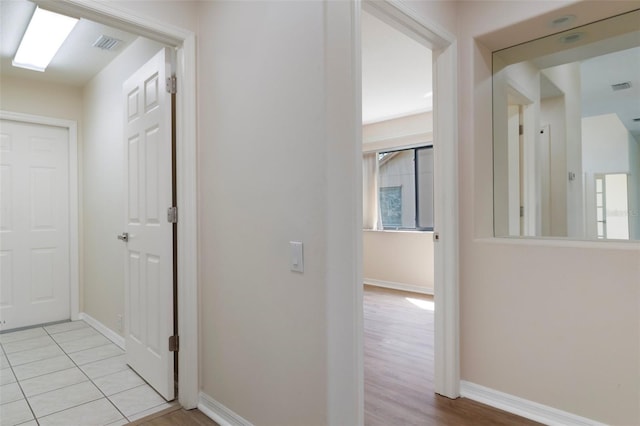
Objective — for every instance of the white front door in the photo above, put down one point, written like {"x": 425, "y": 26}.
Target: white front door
{"x": 34, "y": 224}
{"x": 149, "y": 250}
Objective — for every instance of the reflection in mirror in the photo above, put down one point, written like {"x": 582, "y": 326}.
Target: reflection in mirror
{"x": 566, "y": 124}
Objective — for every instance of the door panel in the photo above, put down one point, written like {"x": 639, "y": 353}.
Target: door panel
{"x": 34, "y": 224}
{"x": 149, "y": 264}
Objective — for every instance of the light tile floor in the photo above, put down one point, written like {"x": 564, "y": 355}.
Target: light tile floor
{"x": 69, "y": 374}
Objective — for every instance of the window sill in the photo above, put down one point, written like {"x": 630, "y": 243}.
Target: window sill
{"x": 398, "y": 231}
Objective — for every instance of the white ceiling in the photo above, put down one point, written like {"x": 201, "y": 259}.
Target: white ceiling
{"x": 599, "y": 73}
{"x": 76, "y": 62}
{"x": 396, "y": 73}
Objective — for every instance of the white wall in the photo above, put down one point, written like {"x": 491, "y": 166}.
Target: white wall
{"x": 567, "y": 78}
{"x": 552, "y": 113}
{"x": 608, "y": 147}
{"x": 634, "y": 188}
{"x": 605, "y": 145}
{"x": 103, "y": 163}
{"x": 530, "y": 310}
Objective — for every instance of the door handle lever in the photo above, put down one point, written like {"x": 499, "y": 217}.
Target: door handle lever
{"x": 124, "y": 237}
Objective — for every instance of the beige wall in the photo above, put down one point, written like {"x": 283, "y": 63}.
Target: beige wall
{"x": 41, "y": 98}
{"x": 103, "y": 196}
{"x": 262, "y": 165}
{"x": 554, "y": 323}
{"x": 399, "y": 259}
{"x": 398, "y": 133}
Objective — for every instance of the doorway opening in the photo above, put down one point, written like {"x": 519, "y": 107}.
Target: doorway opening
{"x": 611, "y": 206}
{"x": 398, "y": 222}
{"x": 184, "y": 44}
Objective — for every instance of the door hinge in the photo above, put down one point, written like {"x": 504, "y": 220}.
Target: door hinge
{"x": 172, "y": 215}
{"x": 521, "y": 211}
{"x": 521, "y": 129}
{"x": 174, "y": 343}
{"x": 436, "y": 237}
{"x": 172, "y": 84}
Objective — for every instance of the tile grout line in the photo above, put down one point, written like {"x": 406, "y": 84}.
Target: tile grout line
{"x": 20, "y": 385}
{"x": 56, "y": 389}
{"x": 55, "y": 356}
{"x": 90, "y": 380}
{"x": 66, "y": 354}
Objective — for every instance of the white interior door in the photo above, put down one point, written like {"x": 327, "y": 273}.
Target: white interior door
{"x": 149, "y": 250}
{"x": 34, "y": 224}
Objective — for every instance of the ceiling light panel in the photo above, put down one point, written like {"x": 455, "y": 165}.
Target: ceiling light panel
{"x": 44, "y": 36}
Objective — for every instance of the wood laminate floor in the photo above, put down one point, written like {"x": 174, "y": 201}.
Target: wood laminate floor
{"x": 399, "y": 367}
{"x": 176, "y": 417}
{"x": 398, "y": 372}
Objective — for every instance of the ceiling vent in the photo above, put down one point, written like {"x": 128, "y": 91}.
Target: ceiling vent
{"x": 107, "y": 43}
{"x": 621, "y": 86}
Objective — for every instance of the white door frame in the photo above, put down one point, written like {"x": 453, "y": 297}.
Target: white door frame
{"x": 72, "y": 128}
{"x": 112, "y": 14}
{"x": 445, "y": 131}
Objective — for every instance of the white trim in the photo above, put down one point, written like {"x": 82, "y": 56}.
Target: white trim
{"x": 112, "y": 14}
{"x": 343, "y": 221}
{"x": 399, "y": 286}
{"x": 562, "y": 242}
{"x": 446, "y": 259}
{"x": 103, "y": 329}
{"x": 445, "y": 123}
{"x": 523, "y": 407}
{"x": 188, "y": 305}
{"x": 74, "y": 227}
{"x": 219, "y": 413}
{"x": 407, "y": 21}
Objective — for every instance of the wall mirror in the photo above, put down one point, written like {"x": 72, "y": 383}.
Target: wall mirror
{"x": 566, "y": 127}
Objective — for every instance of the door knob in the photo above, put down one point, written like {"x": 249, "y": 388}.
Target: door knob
{"x": 124, "y": 236}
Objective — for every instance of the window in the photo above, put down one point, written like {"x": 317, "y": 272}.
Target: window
{"x": 391, "y": 205}
{"x": 612, "y": 206}
{"x": 405, "y": 188}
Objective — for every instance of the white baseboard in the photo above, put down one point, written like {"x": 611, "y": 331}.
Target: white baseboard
{"x": 106, "y": 331}
{"x": 399, "y": 286}
{"x": 219, "y": 413}
{"x": 523, "y": 407}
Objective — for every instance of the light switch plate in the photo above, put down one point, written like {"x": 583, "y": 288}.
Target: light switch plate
{"x": 296, "y": 257}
